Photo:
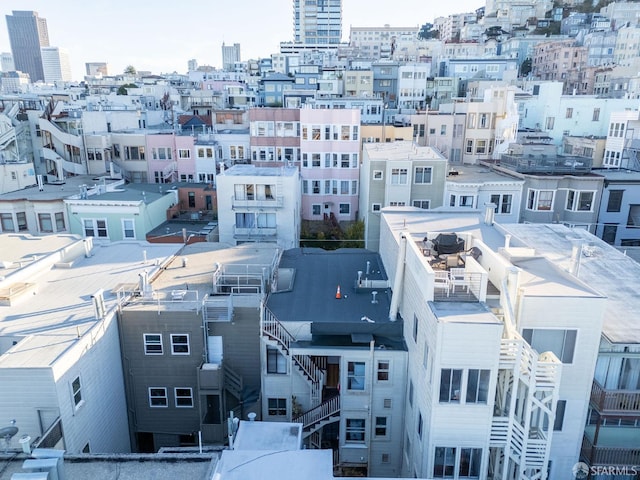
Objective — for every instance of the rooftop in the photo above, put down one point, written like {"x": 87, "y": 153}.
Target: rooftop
{"x": 317, "y": 274}
{"x": 51, "y": 305}
{"x": 602, "y": 267}
{"x": 253, "y": 171}
{"x": 132, "y": 192}
{"x": 56, "y": 191}
{"x": 401, "y": 150}
{"x": 479, "y": 174}
{"x": 463, "y": 312}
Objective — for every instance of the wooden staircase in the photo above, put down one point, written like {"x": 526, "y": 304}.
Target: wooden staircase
{"x": 314, "y": 419}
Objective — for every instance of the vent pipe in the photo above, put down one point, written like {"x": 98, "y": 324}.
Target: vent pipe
{"x": 368, "y": 267}
{"x": 576, "y": 251}
{"x": 507, "y": 240}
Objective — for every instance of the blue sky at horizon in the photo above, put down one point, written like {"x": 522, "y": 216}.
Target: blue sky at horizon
{"x": 162, "y": 38}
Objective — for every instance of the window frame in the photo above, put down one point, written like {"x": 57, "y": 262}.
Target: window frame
{"x": 399, "y": 176}
{"x": 277, "y": 410}
{"x": 358, "y": 430}
{"x": 354, "y": 377}
{"x": 474, "y": 396}
{"x": 125, "y": 229}
{"x": 156, "y": 397}
{"x": 421, "y": 176}
{"x": 452, "y": 384}
{"x": 383, "y": 369}
{"x": 534, "y": 201}
{"x": 176, "y": 344}
{"x": 279, "y": 367}
{"x": 76, "y": 392}
{"x": 146, "y": 343}
{"x": 530, "y": 339}
{"x": 179, "y": 398}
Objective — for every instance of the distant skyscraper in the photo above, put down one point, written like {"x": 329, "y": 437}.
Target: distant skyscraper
{"x": 230, "y": 55}
{"x": 56, "y": 65}
{"x": 317, "y": 21}
{"x": 28, "y": 34}
{"x": 6, "y": 62}
{"x": 94, "y": 68}
{"x": 192, "y": 65}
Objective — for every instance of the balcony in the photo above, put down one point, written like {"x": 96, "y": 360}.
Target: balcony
{"x": 619, "y": 402}
{"x": 254, "y": 233}
{"x": 605, "y": 455}
{"x": 252, "y": 202}
{"x": 546, "y": 164}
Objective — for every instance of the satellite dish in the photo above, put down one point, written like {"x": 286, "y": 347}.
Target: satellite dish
{"x": 7, "y": 434}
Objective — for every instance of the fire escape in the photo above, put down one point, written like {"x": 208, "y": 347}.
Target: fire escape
{"x": 321, "y": 412}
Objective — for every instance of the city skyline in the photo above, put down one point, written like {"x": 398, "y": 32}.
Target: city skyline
{"x": 162, "y": 44}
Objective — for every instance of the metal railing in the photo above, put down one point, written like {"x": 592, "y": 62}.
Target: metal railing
{"x": 316, "y": 415}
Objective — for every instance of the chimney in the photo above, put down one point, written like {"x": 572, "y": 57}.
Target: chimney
{"x": 489, "y": 213}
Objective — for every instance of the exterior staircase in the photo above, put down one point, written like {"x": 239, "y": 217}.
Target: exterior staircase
{"x": 316, "y": 418}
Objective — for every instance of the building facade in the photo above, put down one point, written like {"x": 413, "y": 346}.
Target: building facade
{"x": 28, "y": 34}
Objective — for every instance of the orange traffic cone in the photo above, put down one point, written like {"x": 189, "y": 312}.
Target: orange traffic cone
{"x": 338, "y": 294}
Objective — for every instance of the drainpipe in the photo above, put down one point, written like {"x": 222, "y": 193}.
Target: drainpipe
{"x": 397, "y": 283}
{"x": 372, "y": 347}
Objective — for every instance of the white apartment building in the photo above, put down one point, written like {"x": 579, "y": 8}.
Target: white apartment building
{"x": 497, "y": 387}
{"x": 318, "y": 23}
{"x": 60, "y": 364}
{"x": 412, "y": 85}
{"x": 259, "y": 205}
{"x": 474, "y": 187}
{"x": 627, "y": 42}
{"x": 622, "y": 143}
{"x": 380, "y": 42}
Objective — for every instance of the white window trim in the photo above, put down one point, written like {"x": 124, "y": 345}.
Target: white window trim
{"x": 78, "y": 405}
{"x": 166, "y": 397}
{"x": 415, "y": 175}
{"x": 144, "y": 336}
{"x": 373, "y": 207}
{"x": 576, "y": 200}
{"x": 175, "y": 396}
{"x": 173, "y": 352}
{"x": 122, "y": 221}
{"x": 95, "y": 227}
{"x": 536, "y": 200}
{"x": 376, "y": 172}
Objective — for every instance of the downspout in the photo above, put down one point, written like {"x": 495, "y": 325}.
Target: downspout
{"x": 372, "y": 346}
{"x": 398, "y": 281}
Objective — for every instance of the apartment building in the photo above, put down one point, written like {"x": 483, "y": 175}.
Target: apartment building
{"x": 564, "y": 61}
{"x": 494, "y": 391}
{"x": 398, "y": 174}
{"x": 317, "y": 23}
{"x": 190, "y": 342}
{"x": 259, "y": 204}
{"x": 379, "y": 42}
{"x": 330, "y": 149}
{"x": 619, "y": 209}
{"x": 275, "y": 136}
{"x": 333, "y": 358}
{"x": 60, "y": 362}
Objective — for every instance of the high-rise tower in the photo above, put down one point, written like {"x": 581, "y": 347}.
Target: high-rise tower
{"x": 28, "y": 34}
{"x": 317, "y": 21}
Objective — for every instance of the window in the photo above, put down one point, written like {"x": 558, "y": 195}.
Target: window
{"x": 355, "y": 376}
{"x": 316, "y": 209}
{"x": 450, "y": 385}
{"x": 6, "y": 220}
{"x": 277, "y": 406}
{"x": 425, "y": 356}
{"x": 184, "y": 153}
{"x": 375, "y": 207}
{"x": 384, "y": 458}
{"x": 192, "y": 199}
{"x": 549, "y": 122}
{"x": 469, "y": 146}
{"x": 415, "y": 327}
{"x": 541, "y": 200}
{"x": 569, "y": 113}
{"x": 183, "y": 397}
{"x": 180, "y": 344}
{"x": 60, "y": 225}
{"x": 128, "y": 228}
{"x": 345, "y": 208}
{"x": 398, "y": 176}
{"x": 579, "y": 201}
{"x": 502, "y": 203}
{"x": 615, "y": 200}
{"x": 444, "y": 462}
{"x": 381, "y": 426}
{"x": 609, "y": 232}
{"x": 134, "y": 153}
{"x": 481, "y": 147}
{"x": 158, "y": 397}
{"x": 633, "y": 220}
{"x": 422, "y": 175}
{"x": 21, "y": 218}
{"x": 276, "y": 362}
{"x": 596, "y": 115}
{"x": 44, "y": 223}
{"x": 95, "y": 228}
{"x": 466, "y": 201}
{"x": 559, "y": 420}
{"x": 383, "y": 370}
{"x": 561, "y": 342}
{"x": 76, "y": 390}
{"x": 419, "y": 426}
{"x": 153, "y": 344}
{"x": 477, "y": 386}
{"x": 377, "y": 175}
{"x": 422, "y": 204}
{"x": 470, "y": 459}
{"x": 354, "y": 433}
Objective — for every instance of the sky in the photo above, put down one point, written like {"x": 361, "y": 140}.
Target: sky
{"x": 161, "y": 36}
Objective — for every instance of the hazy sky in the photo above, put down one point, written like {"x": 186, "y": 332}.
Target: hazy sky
{"x": 162, "y": 35}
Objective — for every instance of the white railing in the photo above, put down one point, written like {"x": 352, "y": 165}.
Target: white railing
{"x": 324, "y": 411}
{"x": 499, "y": 431}
{"x": 217, "y": 309}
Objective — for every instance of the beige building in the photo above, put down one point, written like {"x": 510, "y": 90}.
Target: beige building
{"x": 564, "y": 61}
